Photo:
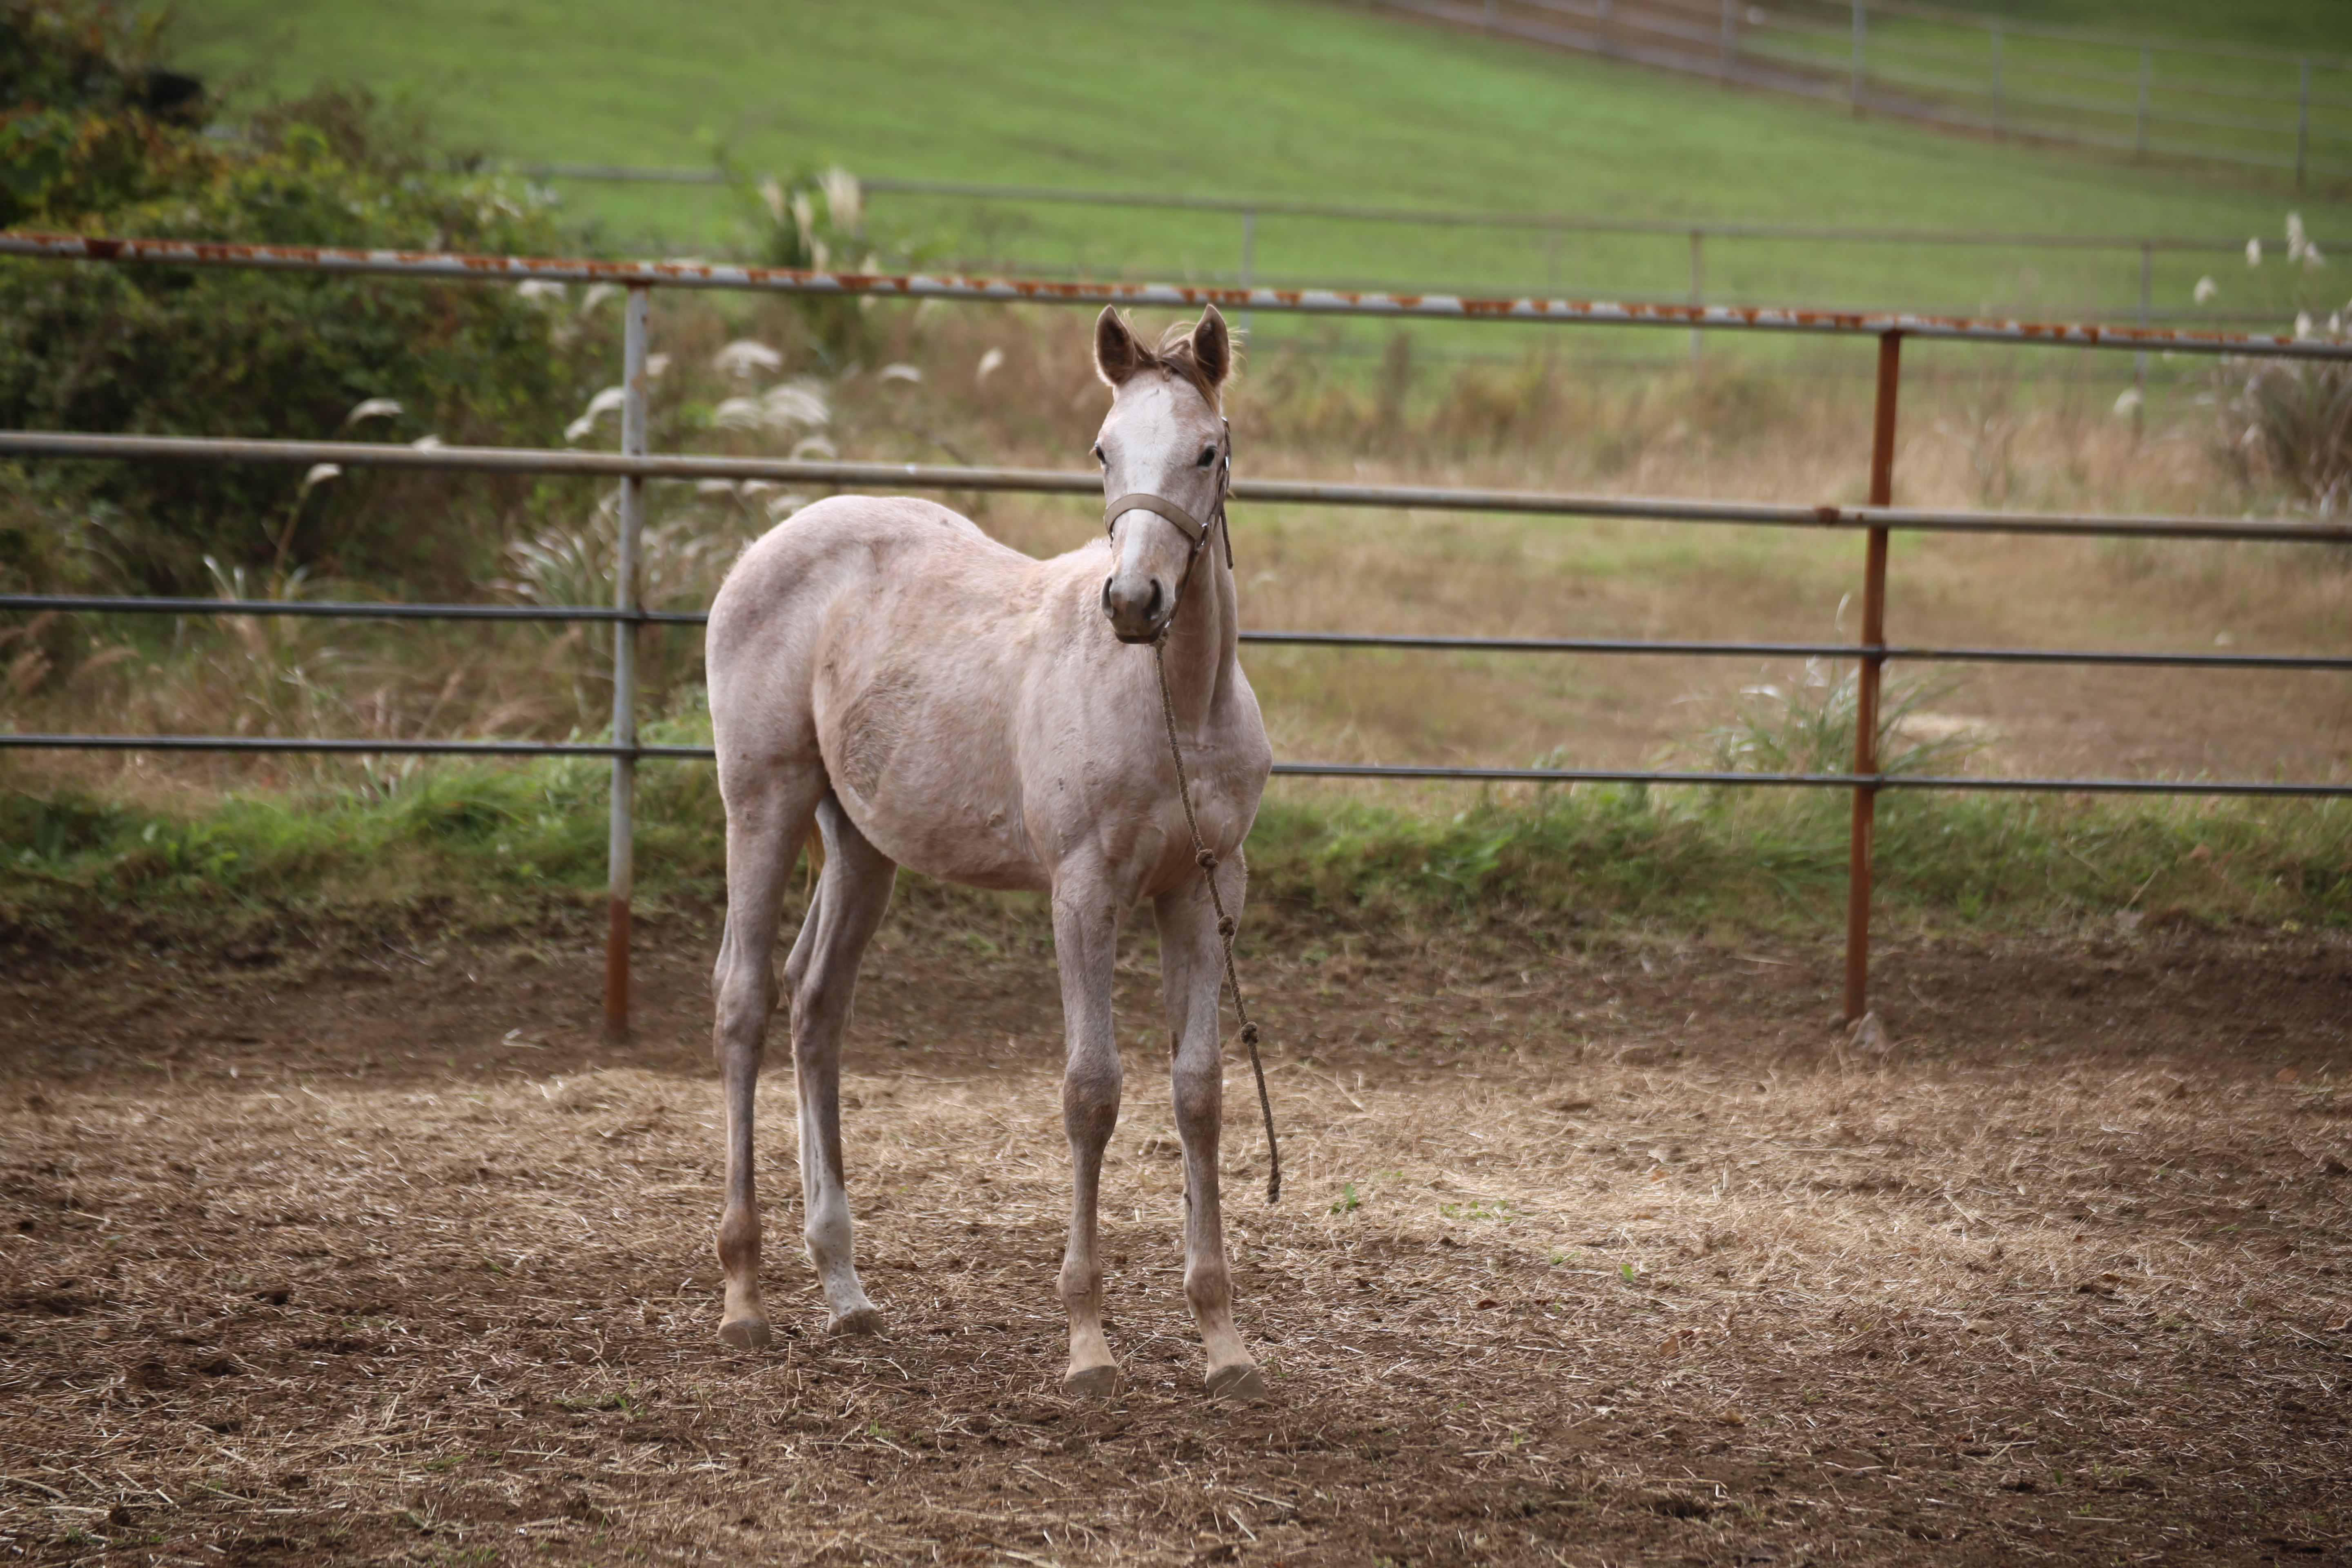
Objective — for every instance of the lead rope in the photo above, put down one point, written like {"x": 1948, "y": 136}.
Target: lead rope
{"x": 1208, "y": 864}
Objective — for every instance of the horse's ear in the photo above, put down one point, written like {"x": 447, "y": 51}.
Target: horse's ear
{"x": 1213, "y": 347}
{"x": 1117, "y": 353}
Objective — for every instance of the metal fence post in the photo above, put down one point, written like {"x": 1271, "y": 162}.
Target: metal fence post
{"x": 1872, "y": 661}
{"x": 1860, "y": 64}
{"x": 2139, "y": 360}
{"x": 2302, "y": 122}
{"x": 1999, "y": 113}
{"x": 2140, "y": 140}
{"x": 1698, "y": 289}
{"x": 621, "y": 851}
{"x": 1249, "y": 263}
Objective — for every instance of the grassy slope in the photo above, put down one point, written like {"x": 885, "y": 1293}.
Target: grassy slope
{"x": 1277, "y": 98}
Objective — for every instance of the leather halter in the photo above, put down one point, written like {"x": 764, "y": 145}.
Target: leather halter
{"x": 1192, "y": 528}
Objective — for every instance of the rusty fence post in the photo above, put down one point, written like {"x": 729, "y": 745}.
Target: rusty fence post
{"x": 1872, "y": 659}
{"x": 621, "y": 852}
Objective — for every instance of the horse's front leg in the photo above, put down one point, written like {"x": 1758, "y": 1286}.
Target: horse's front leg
{"x": 1086, "y": 940}
{"x": 1192, "y": 974}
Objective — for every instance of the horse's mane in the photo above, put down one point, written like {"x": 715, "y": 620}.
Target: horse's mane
{"x": 1173, "y": 353}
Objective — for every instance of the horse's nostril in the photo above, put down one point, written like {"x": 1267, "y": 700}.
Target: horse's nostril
{"x": 1152, "y": 609}
{"x": 1105, "y": 597}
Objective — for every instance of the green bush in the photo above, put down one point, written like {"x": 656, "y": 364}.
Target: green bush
{"x": 184, "y": 351}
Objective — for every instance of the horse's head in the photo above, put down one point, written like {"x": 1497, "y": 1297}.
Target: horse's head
{"x": 1165, "y": 461}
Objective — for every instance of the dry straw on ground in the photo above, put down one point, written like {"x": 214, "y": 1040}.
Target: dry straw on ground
{"x": 1570, "y": 1273}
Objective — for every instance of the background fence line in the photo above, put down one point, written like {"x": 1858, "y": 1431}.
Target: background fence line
{"x": 1838, "y": 51}
{"x": 1698, "y": 234}
{"x": 1441, "y": 218}
{"x": 634, "y": 468}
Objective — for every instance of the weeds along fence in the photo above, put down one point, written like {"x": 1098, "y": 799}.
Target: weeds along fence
{"x": 1542, "y": 238}
{"x": 2151, "y": 97}
{"x": 633, "y": 466}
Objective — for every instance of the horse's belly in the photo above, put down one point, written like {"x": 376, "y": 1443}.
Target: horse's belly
{"x": 953, "y": 816}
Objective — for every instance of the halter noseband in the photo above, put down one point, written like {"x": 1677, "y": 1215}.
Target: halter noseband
{"x": 1194, "y": 529}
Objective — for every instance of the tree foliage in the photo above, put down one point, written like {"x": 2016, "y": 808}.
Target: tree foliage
{"x": 97, "y": 138}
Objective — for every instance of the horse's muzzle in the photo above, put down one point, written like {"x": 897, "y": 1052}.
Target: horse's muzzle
{"x": 1136, "y": 617}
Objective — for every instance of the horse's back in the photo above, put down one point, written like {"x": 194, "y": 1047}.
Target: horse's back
{"x": 838, "y": 544}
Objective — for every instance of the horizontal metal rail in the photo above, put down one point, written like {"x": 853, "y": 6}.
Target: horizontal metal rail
{"x": 363, "y": 610}
{"x": 1170, "y": 296}
{"x": 1432, "y": 771}
{"x": 1815, "y": 781}
{"x": 1794, "y": 650}
{"x": 1076, "y": 482}
{"x": 339, "y": 609}
{"x": 346, "y": 747}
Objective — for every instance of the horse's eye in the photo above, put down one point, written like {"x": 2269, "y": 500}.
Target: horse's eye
{"x": 1208, "y": 456}
{"x": 1096, "y": 452}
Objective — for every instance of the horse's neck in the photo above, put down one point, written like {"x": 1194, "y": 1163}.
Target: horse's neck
{"x": 1202, "y": 639}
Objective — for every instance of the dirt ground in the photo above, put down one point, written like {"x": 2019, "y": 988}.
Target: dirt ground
{"x": 1591, "y": 1251}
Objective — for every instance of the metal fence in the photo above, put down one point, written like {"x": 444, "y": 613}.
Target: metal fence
{"x": 2214, "y": 102}
{"x": 633, "y": 466}
{"x": 1700, "y": 241}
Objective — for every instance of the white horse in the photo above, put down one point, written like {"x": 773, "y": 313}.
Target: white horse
{"x": 933, "y": 699}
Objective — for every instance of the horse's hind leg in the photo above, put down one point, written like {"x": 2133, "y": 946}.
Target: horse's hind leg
{"x": 1192, "y": 974}
{"x": 767, "y": 817}
{"x": 1085, "y": 948}
{"x": 821, "y": 977}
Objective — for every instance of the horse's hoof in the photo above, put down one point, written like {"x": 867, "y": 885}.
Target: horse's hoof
{"x": 863, "y": 1321}
{"x": 1090, "y": 1382}
{"x": 745, "y": 1333}
{"x": 1245, "y": 1382}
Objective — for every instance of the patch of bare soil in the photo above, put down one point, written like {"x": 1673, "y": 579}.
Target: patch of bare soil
{"x": 1587, "y": 1255}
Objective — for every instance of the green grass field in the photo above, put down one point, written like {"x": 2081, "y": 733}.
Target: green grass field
{"x": 1276, "y": 99}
